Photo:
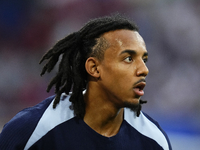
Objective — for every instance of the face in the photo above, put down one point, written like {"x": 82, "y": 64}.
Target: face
{"x": 123, "y": 69}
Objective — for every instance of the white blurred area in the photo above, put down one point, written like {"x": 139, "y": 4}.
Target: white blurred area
{"x": 171, "y": 30}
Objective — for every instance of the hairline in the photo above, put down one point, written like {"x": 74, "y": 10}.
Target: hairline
{"x": 102, "y": 44}
{"x": 98, "y": 50}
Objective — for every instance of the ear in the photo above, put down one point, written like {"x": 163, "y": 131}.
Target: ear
{"x": 91, "y": 66}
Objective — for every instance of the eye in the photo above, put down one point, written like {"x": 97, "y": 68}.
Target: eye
{"x": 145, "y": 60}
{"x": 128, "y": 59}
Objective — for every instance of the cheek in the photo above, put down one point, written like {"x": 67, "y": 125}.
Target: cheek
{"x": 125, "y": 76}
{"x": 119, "y": 76}
{"x": 110, "y": 74}
{"x": 118, "y": 73}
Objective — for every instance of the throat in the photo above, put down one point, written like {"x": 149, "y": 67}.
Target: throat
{"x": 107, "y": 127}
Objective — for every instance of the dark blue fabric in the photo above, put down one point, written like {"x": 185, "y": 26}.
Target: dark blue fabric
{"x": 74, "y": 134}
{"x": 17, "y": 131}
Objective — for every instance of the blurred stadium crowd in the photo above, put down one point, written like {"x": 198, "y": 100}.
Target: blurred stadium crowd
{"x": 170, "y": 28}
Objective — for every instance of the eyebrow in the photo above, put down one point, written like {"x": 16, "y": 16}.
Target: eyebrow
{"x": 145, "y": 54}
{"x": 132, "y": 52}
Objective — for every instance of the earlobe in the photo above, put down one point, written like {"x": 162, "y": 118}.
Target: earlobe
{"x": 91, "y": 66}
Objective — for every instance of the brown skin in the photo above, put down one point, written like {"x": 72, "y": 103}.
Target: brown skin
{"x": 111, "y": 81}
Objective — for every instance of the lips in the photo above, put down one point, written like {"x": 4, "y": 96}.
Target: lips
{"x": 138, "y": 88}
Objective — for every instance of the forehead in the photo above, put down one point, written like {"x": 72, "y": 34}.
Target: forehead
{"x": 125, "y": 39}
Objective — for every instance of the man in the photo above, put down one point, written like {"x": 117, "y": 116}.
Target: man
{"x": 103, "y": 65}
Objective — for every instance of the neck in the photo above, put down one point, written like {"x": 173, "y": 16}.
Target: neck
{"x": 101, "y": 116}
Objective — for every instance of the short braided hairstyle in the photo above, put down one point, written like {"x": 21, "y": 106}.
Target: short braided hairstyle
{"x": 74, "y": 50}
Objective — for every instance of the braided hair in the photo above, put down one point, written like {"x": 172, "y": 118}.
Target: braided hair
{"x": 74, "y": 50}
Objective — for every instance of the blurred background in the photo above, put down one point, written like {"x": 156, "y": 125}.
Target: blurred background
{"x": 171, "y": 30}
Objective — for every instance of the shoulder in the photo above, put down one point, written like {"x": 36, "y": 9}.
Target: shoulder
{"x": 16, "y": 132}
{"x": 159, "y": 127}
{"x": 148, "y": 127}
{"x": 62, "y": 136}
{"x": 50, "y": 119}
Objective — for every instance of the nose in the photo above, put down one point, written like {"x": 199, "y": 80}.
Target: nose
{"x": 142, "y": 70}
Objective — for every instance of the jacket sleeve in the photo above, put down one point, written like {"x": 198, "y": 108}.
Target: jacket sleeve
{"x": 18, "y": 130}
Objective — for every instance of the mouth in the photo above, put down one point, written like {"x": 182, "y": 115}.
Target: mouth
{"x": 138, "y": 88}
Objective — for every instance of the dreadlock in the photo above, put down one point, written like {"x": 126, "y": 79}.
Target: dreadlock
{"x": 74, "y": 50}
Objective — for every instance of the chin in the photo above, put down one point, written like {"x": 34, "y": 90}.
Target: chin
{"x": 132, "y": 105}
